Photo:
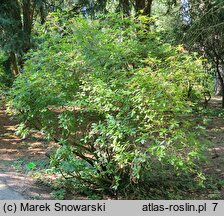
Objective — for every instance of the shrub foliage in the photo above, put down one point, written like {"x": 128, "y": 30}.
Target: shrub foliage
{"x": 114, "y": 96}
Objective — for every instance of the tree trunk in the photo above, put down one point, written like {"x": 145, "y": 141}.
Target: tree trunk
{"x": 14, "y": 65}
{"x": 28, "y": 11}
{"x": 218, "y": 86}
{"x": 219, "y": 73}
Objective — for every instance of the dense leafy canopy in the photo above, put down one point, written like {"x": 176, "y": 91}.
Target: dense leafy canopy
{"x": 114, "y": 96}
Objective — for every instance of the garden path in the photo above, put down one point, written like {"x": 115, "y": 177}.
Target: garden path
{"x": 15, "y": 153}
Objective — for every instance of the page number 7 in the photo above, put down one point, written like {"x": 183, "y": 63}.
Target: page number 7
{"x": 215, "y": 205}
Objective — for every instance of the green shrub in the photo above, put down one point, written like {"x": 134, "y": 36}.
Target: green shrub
{"x": 115, "y": 97}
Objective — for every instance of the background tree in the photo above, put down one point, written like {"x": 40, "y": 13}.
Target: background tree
{"x": 11, "y": 31}
{"x": 16, "y": 22}
{"x": 204, "y": 33}
{"x": 199, "y": 25}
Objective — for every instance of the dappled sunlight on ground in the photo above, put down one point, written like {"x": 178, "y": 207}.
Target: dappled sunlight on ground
{"x": 215, "y": 134}
{"x": 13, "y": 151}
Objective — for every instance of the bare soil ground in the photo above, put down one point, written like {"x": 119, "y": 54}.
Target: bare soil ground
{"x": 15, "y": 152}
{"x": 215, "y": 134}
